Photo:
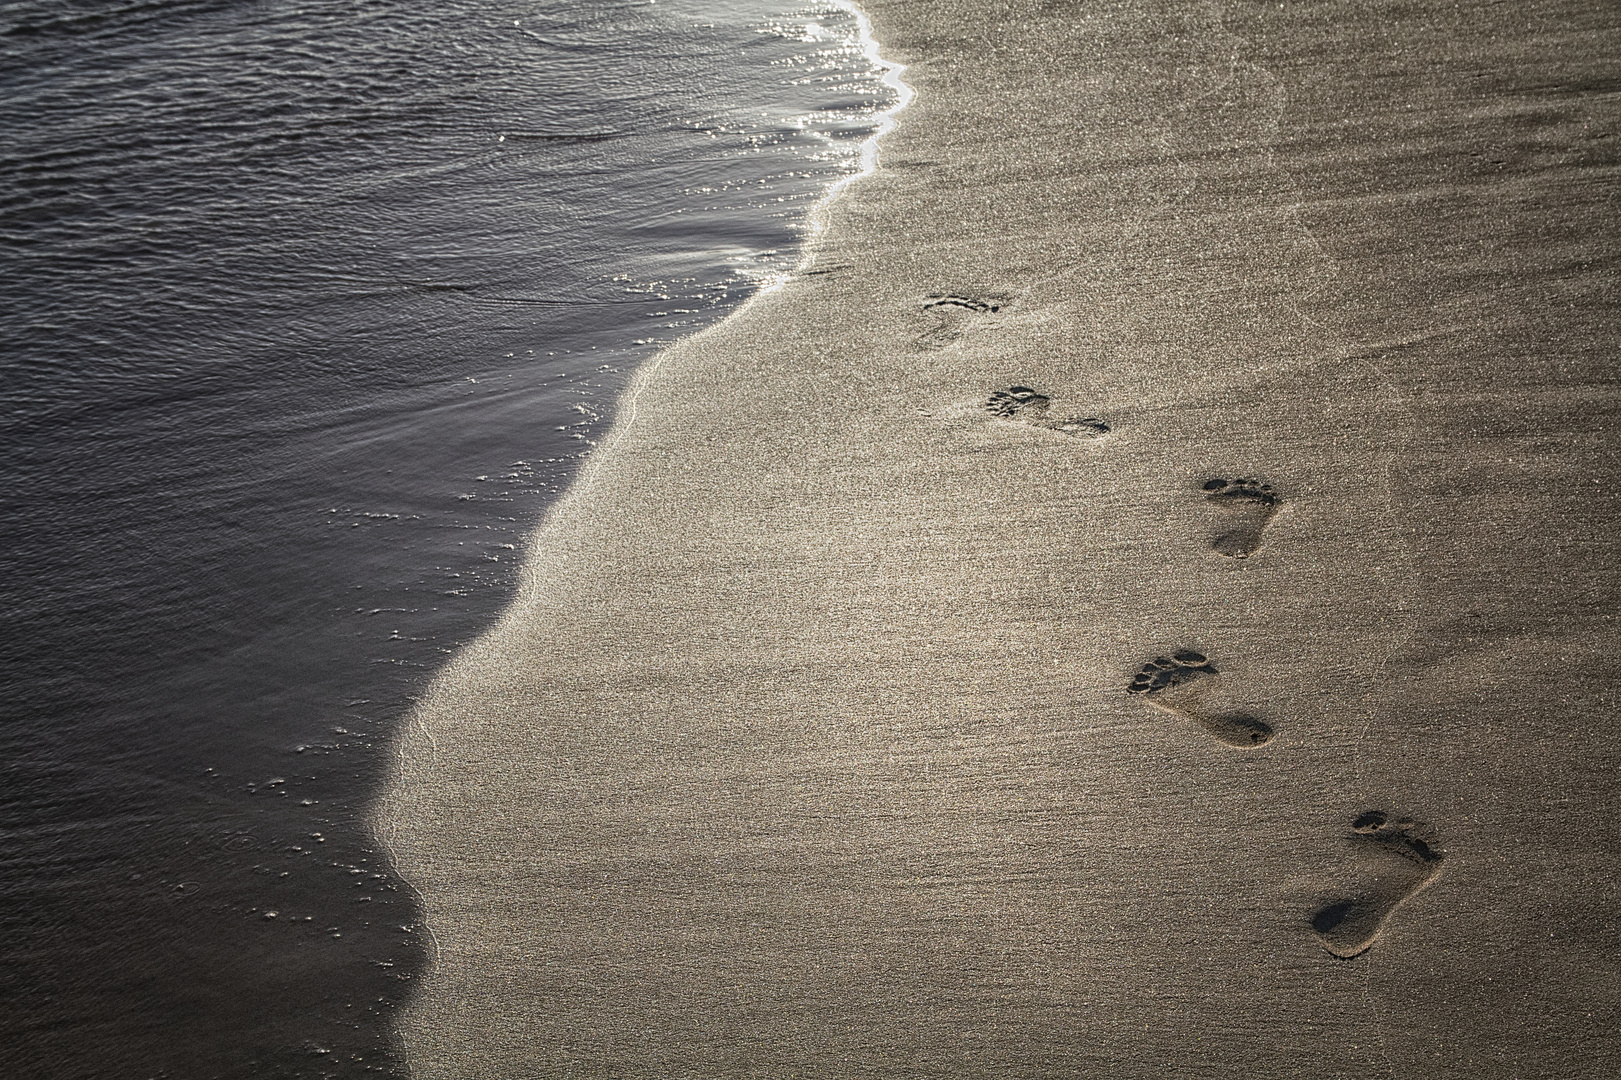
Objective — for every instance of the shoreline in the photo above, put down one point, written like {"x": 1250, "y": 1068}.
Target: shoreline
{"x": 816, "y": 224}
{"x": 866, "y": 709}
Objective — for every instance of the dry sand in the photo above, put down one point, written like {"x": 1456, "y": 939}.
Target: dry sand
{"x": 808, "y": 750}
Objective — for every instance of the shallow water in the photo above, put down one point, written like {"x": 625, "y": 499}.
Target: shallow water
{"x": 313, "y": 309}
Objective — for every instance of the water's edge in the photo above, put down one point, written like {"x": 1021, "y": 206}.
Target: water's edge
{"x": 382, "y": 817}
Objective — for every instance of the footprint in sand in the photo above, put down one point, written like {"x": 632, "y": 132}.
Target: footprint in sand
{"x": 1023, "y": 403}
{"x": 953, "y": 314}
{"x": 1178, "y": 684}
{"x": 1249, "y": 505}
{"x": 1399, "y": 861}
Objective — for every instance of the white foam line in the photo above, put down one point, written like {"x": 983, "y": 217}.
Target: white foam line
{"x": 532, "y": 574}
{"x": 817, "y": 218}
{"x": 886, "y": 119}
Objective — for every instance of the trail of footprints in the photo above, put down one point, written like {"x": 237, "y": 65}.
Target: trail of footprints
{"x": 1395, "y": 857}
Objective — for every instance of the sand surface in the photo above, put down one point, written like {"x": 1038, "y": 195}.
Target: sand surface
{"x": 808, "y": 748}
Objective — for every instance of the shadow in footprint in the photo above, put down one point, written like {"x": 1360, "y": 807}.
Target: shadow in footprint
{"x": 1177, "y": 684}
{"x": 1019, "y": 403}
{"x": 1249, "y": 505}
{"x": 1400, "y": 860}
{"x": 1025, "y": 404}
{"x": 953, "y": 314}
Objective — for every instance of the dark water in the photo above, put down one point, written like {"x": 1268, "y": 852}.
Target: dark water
{"x": 310, "y": 309}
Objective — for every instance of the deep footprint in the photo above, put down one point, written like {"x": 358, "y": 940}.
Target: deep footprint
{"x": 1018, "y": 403}
{"x": 1250, "y": 505}
{"x": 1177, "y": 683}
{"x": 1401, "y": 860}
{"x": 1023, "y": 403}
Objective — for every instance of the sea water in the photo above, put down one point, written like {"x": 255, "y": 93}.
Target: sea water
{"x": 310, "y": 311}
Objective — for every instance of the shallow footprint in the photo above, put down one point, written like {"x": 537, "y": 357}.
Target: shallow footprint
{"x": 1400, "y": 861}
{"x": 1250, "y": 505}
{"x": 967, "y": 303}
{"x": 953, "y": 313}
{"x": 1023, "y": 403}
{"x": 1087, "y": 425}
{"x": 1178, "y": 683}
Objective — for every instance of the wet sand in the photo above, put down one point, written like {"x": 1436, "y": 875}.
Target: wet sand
{"x": 1138, "y": 603}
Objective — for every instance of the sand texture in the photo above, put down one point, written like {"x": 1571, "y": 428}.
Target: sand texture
{"x": 1139, "y": 603}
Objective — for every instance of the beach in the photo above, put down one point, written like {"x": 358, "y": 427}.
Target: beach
{"x": 1137, "y": 601}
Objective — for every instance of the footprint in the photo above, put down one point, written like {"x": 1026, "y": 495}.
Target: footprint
{"x": 1018, "y": 403}
{"x": 1090, "y": 426}
{"x": 1023, "y": 403}
{"x": 946, "y": 300}
{"x": 1400, "y": 861}
{"x": 1250, "y": 504}
{"x": 953, "y": 314}
{"x": 1178, "y": 683}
